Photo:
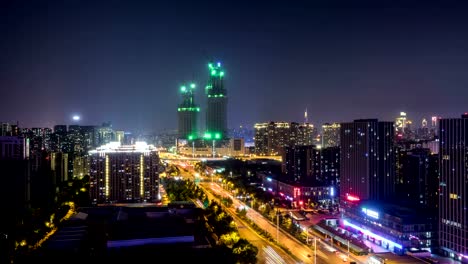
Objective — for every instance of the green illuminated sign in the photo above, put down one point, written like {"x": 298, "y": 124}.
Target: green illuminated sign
{"x": 191, "y": 109}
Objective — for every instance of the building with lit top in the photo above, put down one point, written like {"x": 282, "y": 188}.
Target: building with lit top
{"x": 403, "y": 127}
{"x": 216, "y": 104}
{"x": 187, "y": 112}
{"x": 453, "y": 198}
{"x": 124, "y": 173}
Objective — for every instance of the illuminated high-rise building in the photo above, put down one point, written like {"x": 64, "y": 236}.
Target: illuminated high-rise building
{"x": 403, "y": 127}
{"x": 435, "y": 125}
{"x": 187, "y": 112}
{"x": 453, "y": 186}
{"x": 298, "y": 163}
{"x": 124, "y": 173}
{"x": 330, "y": 135}
{"x": 272, "y": 137}
{"x": 367, "y": 160}
{"x": 216, "y": 108}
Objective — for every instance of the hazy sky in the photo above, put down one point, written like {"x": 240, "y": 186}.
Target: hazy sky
{"x": 123, "y": 61}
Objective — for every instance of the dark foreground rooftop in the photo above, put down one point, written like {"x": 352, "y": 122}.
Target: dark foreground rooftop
{"x": 129, "y": 234}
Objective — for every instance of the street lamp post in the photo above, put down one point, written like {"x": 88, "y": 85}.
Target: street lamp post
{"x": 277, "y": 226}
{"x": 193, "y": 149}
{"x": 315, "y": 249}
{"x": 213, "y": 150}
{"x": 348, "y": 248}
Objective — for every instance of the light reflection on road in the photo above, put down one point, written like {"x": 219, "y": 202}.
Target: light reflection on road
{"x": 271, "y": 257}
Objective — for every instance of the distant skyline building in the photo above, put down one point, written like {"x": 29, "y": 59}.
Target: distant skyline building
{"x": 272, "y": 137}
{"x": 216, "y": 104}
{"x": 367, "y": 161}
{"x": 124, "y": 173}
{"x": 330, "y": 135}
{"x": 14, "y": 147}
{"x": 188, "y": 112}
{"x": 403, "y": 127}
{"x": 453, "y": 213}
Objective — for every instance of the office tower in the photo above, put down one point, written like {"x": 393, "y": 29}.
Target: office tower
{"x": 187, "y": 112}
{"x": 216, "y": 104}
{"x": 81, "y": 166}
{"x": 120, "y": 136}
{"x": 7, "y": 129}
{"x": 104, "y": 134}
{"x": 306, "y": 134}
{"x": 89, "y": 137}
{"x": 60, "y": 139}
{"x": 75, "y": 137}
{"x": 15, "y": 148}
{"x": 453, "y": 213}
{"x": 367, "y": 160}
{"x": 330, "y": 166}
{"x": 330, "y": 135}
{"x": 403, "y": 127}
{"x": 270, "y": 138}
{"x": 124, "y": 173}
{"x": 311, "y": 165}
{"x": 417, "y": 178}
{"x": 36, "y": 139}
{"x": 59, "y": 166}
{"x": 401, "y": 123}
{"x": 298, "y": 163}
{"x": 424, "y": 132}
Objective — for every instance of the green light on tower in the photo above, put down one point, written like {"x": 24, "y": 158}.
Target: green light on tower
{"x": 209, "y": 135}
{"x": 183, "y": 88}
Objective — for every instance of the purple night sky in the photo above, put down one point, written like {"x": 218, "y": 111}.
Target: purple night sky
{"x": 123, "y": 61}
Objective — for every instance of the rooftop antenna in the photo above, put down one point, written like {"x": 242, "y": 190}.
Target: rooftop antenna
{"x": 306, "y": 119}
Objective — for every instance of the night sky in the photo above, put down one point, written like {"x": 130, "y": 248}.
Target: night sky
{"x": 123, "y": 61}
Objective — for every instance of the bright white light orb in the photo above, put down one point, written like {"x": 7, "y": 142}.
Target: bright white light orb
{"x": 76, "y": 117}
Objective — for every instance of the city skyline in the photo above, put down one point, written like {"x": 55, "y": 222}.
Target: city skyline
{"x": 124, "y": 62}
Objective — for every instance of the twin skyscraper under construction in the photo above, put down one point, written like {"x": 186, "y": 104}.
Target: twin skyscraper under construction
{"x": 216, "y": 108}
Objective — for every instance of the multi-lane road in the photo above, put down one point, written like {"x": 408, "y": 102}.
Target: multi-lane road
{"x": 268, "y": 252}
{"x": 301, "y": 253}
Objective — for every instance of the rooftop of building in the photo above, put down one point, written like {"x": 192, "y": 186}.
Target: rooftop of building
{"x": 390, "y": 258}
{"x": 125, "y": 233}
{"x": 405, "y": 213}
{"x": 117, "y": 147}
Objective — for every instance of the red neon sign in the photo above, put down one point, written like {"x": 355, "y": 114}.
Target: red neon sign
{"x": 352, "y": 198}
